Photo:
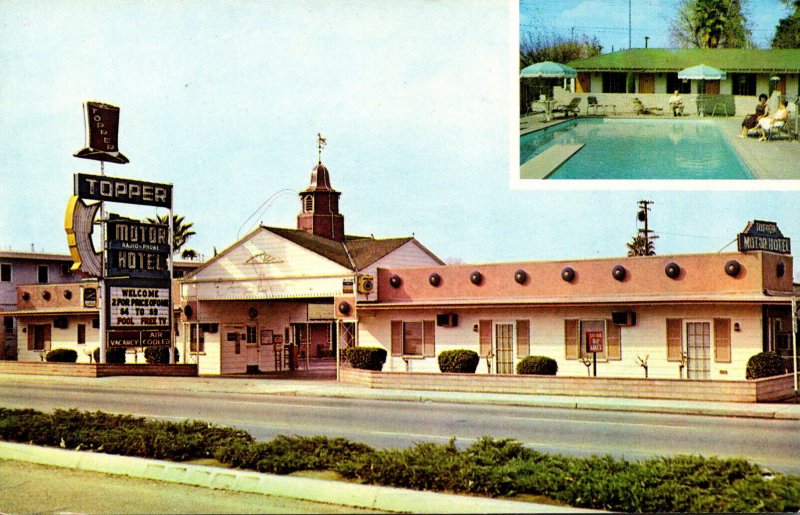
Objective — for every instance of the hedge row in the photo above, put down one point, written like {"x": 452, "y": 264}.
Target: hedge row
{"x": 491, "y": 467}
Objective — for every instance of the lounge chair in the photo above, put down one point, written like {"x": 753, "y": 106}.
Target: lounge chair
{"x": 641, "y": 109}
{"x": 572, "y": 107}
{"x": 780, "y": 128}
{"x": 594, "y": 104}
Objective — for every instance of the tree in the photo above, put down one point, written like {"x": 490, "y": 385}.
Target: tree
{"x": 181, "y": 231}
{"x": 534, "y": 48}
{"x": 787, "y": 34}
{"x": 710, "y": 24}
{"x": 638, "y": 247}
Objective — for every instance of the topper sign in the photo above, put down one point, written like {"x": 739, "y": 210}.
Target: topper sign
{"x": 126, "y": 191}
{"x": 102, "y": 128}
{"x": 761, "y": 235}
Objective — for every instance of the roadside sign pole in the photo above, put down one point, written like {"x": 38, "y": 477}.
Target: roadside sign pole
{"x": 171, "y": 293}
{"x": 101, "y": 286}
{"x": 594, "y": 363}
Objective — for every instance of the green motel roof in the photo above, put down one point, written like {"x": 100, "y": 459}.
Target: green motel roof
{"x": 667, "y": 60}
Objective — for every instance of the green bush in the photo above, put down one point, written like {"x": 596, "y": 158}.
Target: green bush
{"x": 494, "y": 467}
{"x": 159, "y": 355}
{"x": 113, "y": 355}
{"x": 537, "y": 365}
{"x": 459, "y": 360}
{"x": 366, "y": 358}
{"x": 62, "y": 356}
{"x": 765, "y": 364}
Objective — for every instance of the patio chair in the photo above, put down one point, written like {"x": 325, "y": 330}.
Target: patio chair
{"x": 780, "y": 128}
{"x": 594, "y": 104}
{"x": 641, "y": 109}
{"x": 567, "y": 109}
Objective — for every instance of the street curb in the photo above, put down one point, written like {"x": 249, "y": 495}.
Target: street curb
{"x": 317, "y": 490}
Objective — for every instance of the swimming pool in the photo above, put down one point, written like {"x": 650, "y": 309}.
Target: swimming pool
{"x": 639, "y": 149}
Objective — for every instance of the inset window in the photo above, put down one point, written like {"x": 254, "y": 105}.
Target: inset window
{"x": 44, "y": 274}
{"x": 252, "y": 334}
{"x": 81, "y": 334}
{"x": 197, "y": 340}
{"x": 5, "y": 272}
{"x": 415, "y": 339}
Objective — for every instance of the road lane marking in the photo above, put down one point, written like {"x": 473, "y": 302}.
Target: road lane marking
{"x": 634, "y": 424}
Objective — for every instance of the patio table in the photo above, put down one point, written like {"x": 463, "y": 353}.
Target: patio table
{"x": 548, "y": 108}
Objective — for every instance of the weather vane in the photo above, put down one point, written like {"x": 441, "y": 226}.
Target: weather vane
{"x": 321, "y": 141}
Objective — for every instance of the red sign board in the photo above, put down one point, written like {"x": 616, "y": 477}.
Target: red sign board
{"x": 594, "y": 341}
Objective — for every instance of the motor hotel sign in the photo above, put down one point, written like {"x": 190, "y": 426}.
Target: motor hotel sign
{"x": 137, "y": 249}
{"x": 761, "y": 235}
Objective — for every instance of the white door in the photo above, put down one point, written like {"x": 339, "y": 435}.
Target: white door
{"x": 504, "y": 348}
{"x": 698, "y": 350}
{"x": 234, "y": 355}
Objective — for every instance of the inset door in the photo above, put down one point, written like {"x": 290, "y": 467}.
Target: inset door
{"x": 504, "y": 348}
{"x": 698, "y": 350}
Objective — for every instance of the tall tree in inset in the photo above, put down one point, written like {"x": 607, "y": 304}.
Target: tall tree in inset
{"x": 710, "y": 24}
{"x": 787, "y": 34}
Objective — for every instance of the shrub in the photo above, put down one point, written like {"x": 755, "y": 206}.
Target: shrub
{"x": 366, "y": 358}
{"x": 765, "y": 364}
{"x": 113, "y": 355}
{"x": 62, "y": 356}
{"x": 537, "y": 365}
{"x": 459, "y": 360}
{"x": 159, "y": 355}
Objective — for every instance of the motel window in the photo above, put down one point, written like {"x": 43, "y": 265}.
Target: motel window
{"x": 43, "y": 274}
{"x": 252, "y": 334}
{"x": 81, "y": 334}
{"x": 197, "y": 339}
{"x": 8, "y": 324}
{"x": 5, "y": 272}
{"x": 38, "y": 336}
{"x": 414, "y": 339}
{"x": 578, "y": 334}
{"x": 673, "y": 83}
{"x": 743, "y": 84}
{"x": 615, "y": 82}
{"x": 66, "y": 268}
{"x": 95, "y": 323}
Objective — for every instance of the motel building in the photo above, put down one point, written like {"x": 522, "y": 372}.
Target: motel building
{"x": 651, "y": 74}
{"x": 279, "y": 298}
{"x": 695, "y": 316}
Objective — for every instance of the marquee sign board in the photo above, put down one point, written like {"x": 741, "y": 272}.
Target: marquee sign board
{"x": 126, "y": 191}
{"x": 761, "y": 235}
{"x": 138, "y": 305}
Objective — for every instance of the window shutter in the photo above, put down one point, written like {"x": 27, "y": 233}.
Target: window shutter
{"x": 428, "y": 338}
{"x": 397, "y": 338}
{"x": 613, "y": 341}
{"x": 485, "y": 333}
{"x": 571, "y": 339}
{"x": 31, "y": 336}
{"x": 674, "y": 337}
{"x": 523, "y": 338}
{"x": 722, "y": 340}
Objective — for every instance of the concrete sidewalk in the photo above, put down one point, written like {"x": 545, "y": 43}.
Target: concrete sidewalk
{"x": 322, "y": 491}
{"x": 332, "y": 389}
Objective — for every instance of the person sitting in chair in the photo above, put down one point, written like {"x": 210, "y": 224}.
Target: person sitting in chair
{"x": 768, "y": 122}
{"x": 676, "y": 104}
{"x": 751, "y": 120}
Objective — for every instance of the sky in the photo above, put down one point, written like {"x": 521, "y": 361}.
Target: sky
{"x": 224, "y": 100}
{"x": 607, "y": 20}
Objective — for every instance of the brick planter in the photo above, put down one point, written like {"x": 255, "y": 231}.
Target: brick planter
{"x": 759, "y": 390}
{"x": 95, "y": 369}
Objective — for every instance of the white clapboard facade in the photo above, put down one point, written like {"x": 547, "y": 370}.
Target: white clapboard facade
{"x": 277, "y": 291}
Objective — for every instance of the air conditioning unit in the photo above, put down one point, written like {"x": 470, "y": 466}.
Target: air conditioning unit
{"x": 366, "y": 283}
{"x": 209, "y": 328}
{"x": 626, "y": 318}
{"x": 447, "y": 320}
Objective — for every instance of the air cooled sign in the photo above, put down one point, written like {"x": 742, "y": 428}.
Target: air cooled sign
{"x": 761, "y": 235}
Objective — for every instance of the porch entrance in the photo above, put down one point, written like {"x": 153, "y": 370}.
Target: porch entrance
{"x": 698, "y": 350}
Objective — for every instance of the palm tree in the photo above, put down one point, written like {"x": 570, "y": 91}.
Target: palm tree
{"x": 638, "y": 247}
{"x": 181, "y": 231}
{"x": 710, "y": 21}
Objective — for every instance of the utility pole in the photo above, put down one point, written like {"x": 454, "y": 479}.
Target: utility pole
{"x": 629, "y": 25}
{"x": 646, "y": 233}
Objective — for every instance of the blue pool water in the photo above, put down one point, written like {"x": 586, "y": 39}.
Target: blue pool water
{"x": 639, "y": 149}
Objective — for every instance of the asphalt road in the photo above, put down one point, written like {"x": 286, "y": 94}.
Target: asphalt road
{"x": 392, "y": 424}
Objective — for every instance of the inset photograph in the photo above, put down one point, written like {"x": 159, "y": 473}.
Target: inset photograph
{"x": 664, "y": 90}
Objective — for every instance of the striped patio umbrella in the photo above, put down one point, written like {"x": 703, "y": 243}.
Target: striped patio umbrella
{"x": 548, "y": 70}
{"x": 702, "y": 72}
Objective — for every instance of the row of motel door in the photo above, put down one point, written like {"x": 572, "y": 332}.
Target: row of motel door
{"x": 698, "y": 349}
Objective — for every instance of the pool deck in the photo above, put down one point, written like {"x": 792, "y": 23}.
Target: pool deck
{"x": 769, "y": 160}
